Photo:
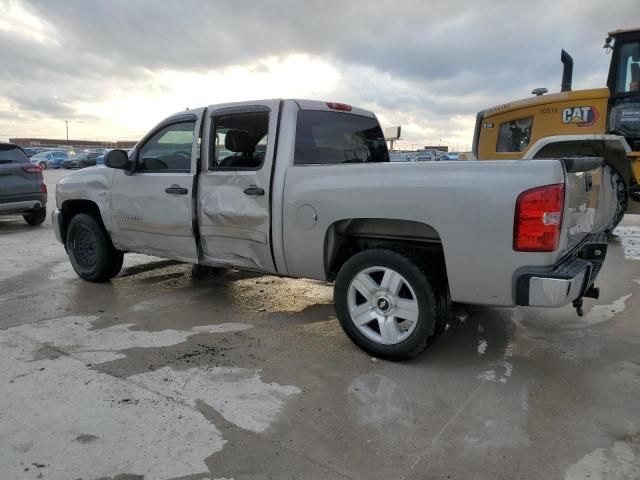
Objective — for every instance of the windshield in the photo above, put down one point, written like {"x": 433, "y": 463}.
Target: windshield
{"x": 628, "y": 77}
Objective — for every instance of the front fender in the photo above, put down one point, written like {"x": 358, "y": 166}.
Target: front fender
{"x": 92, "y": 184}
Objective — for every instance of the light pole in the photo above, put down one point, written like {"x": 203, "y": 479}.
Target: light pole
{"x": 67, "y": 124}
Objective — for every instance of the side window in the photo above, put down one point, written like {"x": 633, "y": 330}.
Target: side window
{"x": 331, "y": 137}
{"x": 169, "y": 150}
{"x": 514, "y": 136}
{"x": 239, "y": 141}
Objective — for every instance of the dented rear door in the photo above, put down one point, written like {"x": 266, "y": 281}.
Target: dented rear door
{"x": 234, "y": 194}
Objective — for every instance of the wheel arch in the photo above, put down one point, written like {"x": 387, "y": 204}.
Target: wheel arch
{"x": 71, "y": 208}
{"x": 346, "y": 237}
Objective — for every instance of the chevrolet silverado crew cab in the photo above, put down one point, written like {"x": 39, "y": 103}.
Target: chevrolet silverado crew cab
{"x": 305, "y": 189}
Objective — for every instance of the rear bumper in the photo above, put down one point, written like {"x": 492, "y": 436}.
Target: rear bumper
{"x": 569, "y": 280}
{"x": 18, "y": 204}
{"x": 57, "y": 222}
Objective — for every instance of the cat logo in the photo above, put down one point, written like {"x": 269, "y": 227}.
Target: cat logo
{"x": 580, "y": 116}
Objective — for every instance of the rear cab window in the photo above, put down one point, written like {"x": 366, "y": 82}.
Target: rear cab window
{"x": 324, "y": 137}
{"x": 12, "y": 154}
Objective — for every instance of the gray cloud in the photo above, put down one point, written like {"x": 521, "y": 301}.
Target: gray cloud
{"x": 499, "y": 40}
{"x": 455, "y": 57}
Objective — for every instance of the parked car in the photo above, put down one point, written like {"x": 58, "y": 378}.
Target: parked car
{"x": 453, "y": 156}
{"x": 51, "y": 158}
{"x": 427, "y": 155}
{"x": 402, "y": 156}
{"x": 100, "y": 158}
{"x": 22, "y": 188}
{"x": 81, "y": 159}
{"x": 31, "y": 151}
{"x": 321, "y": 200}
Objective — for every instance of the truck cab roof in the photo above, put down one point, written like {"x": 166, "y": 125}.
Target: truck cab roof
{"x": 303, "y": 104}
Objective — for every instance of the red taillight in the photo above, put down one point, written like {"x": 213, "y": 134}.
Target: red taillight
{"x": 31, "y": 168}
{"x": 43, "y": 188}
{"x": 339, "y": 106}
{"x": 538, "y": 219}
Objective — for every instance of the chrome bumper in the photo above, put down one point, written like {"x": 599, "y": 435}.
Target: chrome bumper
{"x": 568, "y": 281}
{"x": 56, "y": 220}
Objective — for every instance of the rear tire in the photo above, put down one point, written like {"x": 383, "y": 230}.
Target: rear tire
{"x": 92, "y": 255}
{"x": 391, "y": 305}
{"x": 619, "y": 187}
{"x": 35, "y": 217}
{"x": 201, "y": 272}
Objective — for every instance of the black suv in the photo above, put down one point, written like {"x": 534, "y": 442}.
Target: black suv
{"x": 22, "y": 188}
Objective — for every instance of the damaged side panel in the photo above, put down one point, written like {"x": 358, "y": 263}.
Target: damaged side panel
{"x": 233, "y": 226}
{"x": 91, "y": 184}
{"x": 234, "y": 187}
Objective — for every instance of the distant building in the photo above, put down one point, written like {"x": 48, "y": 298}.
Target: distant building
{"x": 438, "y": 148}
{"x": 53, "y": 142}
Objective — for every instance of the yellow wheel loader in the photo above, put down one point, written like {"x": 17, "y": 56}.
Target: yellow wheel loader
{"x": 602, "y": 122}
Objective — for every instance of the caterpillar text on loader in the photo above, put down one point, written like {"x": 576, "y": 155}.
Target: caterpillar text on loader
{"x": 602, "y": 122}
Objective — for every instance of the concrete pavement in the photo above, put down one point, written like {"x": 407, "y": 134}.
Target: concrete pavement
{"x": 160, "y": 375}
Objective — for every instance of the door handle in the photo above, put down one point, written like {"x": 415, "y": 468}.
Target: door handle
{"x": 254, "y": 190}
{"x": 176, "y": 190}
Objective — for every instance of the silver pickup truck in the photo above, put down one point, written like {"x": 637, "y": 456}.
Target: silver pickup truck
{"x": 305, "y": 189}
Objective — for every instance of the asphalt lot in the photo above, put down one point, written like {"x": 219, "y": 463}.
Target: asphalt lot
{"x": 164, "y": 376}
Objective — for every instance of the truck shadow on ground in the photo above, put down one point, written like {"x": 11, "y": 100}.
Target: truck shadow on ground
{"x": 291, "y": 318}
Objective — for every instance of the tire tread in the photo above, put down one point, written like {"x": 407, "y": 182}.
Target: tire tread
{"x": 436, "y": 287}
{"x": 110, "y": 261}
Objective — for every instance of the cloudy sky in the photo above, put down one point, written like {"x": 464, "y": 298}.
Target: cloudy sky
{"x": 115, "y": 68}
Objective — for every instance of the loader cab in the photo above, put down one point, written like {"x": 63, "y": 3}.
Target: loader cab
{"x": 624, "y": 85}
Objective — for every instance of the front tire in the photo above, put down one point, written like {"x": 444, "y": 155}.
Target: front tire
{"x": 92, "y": 255}
{"x": 388, "y": 305}
{"x": 35, "y": 217}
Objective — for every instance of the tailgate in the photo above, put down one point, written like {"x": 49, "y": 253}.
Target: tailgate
{"x": 581, "y": 199}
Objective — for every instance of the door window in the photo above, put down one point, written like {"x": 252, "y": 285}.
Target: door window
{"x": 629, "y": 68}
{"x": 239, "y": 141}
{"x": 168, "y": 150}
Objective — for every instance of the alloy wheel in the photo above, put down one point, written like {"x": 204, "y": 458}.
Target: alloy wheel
{"x": 383, "y": 305}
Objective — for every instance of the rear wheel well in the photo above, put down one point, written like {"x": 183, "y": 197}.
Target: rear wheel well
{"x": 418, "y": 240}
{"x": 71, "y": 208}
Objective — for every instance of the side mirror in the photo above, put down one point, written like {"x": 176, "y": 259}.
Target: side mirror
{"x": 117, "y": 159}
